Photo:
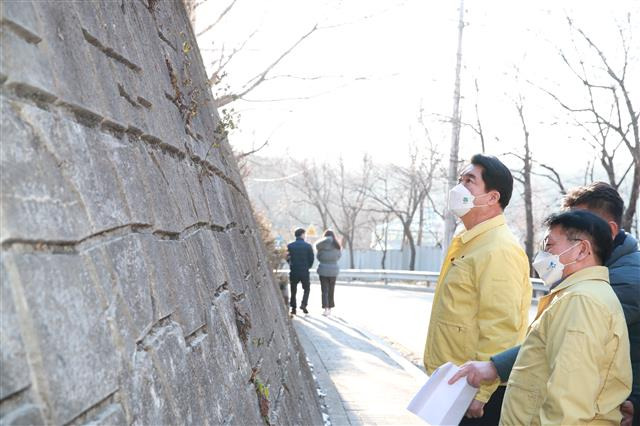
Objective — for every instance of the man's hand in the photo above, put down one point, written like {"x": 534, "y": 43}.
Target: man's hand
{"x": 476, "y": 409}
{"x": 627, "y": 413}
{"x": 476, "y": 373}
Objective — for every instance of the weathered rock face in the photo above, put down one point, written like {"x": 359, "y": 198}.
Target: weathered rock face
{"x": 133, "y": 287}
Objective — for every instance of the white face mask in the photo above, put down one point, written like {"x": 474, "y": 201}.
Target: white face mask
{"x": 460, "y": 200}
{"x": 549, "y": 267}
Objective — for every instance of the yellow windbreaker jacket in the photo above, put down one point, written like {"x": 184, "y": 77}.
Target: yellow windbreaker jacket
{"x": 482, "y": 299}
{"x": 573, "y": 367}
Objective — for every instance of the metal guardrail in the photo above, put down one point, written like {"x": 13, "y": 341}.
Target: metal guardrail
{"x": 389, "y": 275}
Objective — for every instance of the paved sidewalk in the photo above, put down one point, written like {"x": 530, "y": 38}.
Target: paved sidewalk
{"x": 365, "y": 381}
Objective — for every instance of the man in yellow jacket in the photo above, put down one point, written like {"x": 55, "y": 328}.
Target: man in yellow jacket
{"x": 574, "y": 366}
{"x": 483, "y": 294}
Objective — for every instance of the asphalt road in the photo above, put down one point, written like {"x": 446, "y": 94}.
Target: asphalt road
{"x": 398, "y": 316}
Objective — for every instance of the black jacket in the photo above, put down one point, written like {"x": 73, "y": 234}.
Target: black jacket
{"x": 300, "y": 257}
{"x": 624, "y": 274}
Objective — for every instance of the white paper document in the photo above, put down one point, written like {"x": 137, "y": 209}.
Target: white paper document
{"x": 438, "y": 402}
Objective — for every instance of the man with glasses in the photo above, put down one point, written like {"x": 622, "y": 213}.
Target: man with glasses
{"x": 573, "y": 367}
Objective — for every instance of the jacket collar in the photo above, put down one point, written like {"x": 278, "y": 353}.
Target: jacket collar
{"x": 622, "y": 245}
{"x": 598, "y": 273}
{"x": 481, "y": 228}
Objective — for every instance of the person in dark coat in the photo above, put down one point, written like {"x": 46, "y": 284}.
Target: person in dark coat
{"x": 300, "y": 258}
{"x": 624, "y": 273}
{"x": 328, "y": 253}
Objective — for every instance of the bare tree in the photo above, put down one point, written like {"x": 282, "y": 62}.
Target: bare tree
{"x": 224, "y": 94}
{"x": 350, "y": 201}
{"x": 478, "y": 127}
{"x": 209, "y": 27}
{"x": 450, "y": 220}
{"x": 401, "y": 191}
{"x": 382, "y": 236}
{"x": 551, "y": 174}
{"x": 398, "y": 191}
{"x": 314, "y": 185}
{"x": 266, "y": 180}
{"x": 258, "y": 79}
{"x": 609, "y": 118}
{"x": 436, "y": 173}
{"x": 524, "y": 177}
{"x": 420, "y": 222}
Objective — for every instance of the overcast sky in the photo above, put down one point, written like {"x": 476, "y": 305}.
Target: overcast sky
{"x": 382, "y": 61}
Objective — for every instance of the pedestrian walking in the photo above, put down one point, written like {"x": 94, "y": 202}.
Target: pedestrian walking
{"x": 300, "y": 258}
{"x": 482, "y": 298}
{"x": 328, "y": 252}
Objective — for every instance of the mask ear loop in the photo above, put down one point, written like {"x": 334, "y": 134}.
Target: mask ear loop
{"x": 480, "y": 205}
{"x": 572, "y": 247}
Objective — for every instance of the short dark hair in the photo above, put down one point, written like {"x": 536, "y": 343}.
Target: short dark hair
{"x": 599, "y": 197}
{"x": 298, "y": 233}
{"x": 496, "y": 176}
{"x": 582, "y": 224}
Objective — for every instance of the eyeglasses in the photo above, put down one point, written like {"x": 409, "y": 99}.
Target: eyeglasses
{"x": 544, "y": 243}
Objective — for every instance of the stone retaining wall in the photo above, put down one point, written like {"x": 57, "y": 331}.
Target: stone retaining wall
{"x": 133, "y": 283}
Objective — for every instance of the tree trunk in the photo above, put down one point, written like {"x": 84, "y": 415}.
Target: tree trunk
{"x": 634, "y": 149}
{"x": 325, "y": 221}
{"x": 412, "y": 246}
{"x": 627, "y": 218}
{"x": 386, "y": 242}
{"x": 420, "y": 223}
{"x": 450, "y": 220}
{"x": 526, "y": 181}
{"x": 528, "y": 203}
{"x": 351, "y": 261}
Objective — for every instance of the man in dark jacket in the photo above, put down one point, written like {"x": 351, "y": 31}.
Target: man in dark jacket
{"x": 624, "y": 274}
{"x": 300, "y": 258}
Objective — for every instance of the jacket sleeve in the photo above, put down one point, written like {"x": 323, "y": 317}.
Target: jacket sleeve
{"x": 500, "y": 315}
{"x": 504, "y": 362}
{"x": 310, "y": 256}
{"x": 575, "y": 336}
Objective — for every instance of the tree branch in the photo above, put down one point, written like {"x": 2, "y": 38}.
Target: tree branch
{"x": 259, "y": 78}
{"x": 555, "y": 179}
{"x": 224, "y": 12}
{"x": 253, "y": 151}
